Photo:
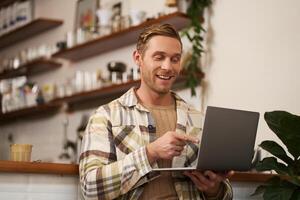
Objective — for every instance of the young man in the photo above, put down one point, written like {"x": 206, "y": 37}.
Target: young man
{"x": 146, "y": 128}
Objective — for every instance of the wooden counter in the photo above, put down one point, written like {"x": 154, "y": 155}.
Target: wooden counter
{"x": 72, "y": 169}
{"x": 38, "y": 168}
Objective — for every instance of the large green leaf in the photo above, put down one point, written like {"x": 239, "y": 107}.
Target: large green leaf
{"x": 275, "y": 180}
{"x": 297, "y": 168}
{"x": 270, "y": 163}
{"x": 276, "y": 150}
{"x": 296, "y": 194}
{"x": 278, "y": 189}
{"x": 259, "y": 190}
{"x": 287, "y": 127}
{"x": 295, "y": 180}
{"x": 278, "y": 193}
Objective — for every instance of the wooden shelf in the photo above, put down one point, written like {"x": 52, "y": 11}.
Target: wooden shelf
{"x": 38, "y": 168}
{"x": 32, "y": 67}
{"x": 112, "y": 91}
{"x": 251, "y": 177}
{"x": 29, "y": 30}
{"x": 29, "y": 112}
{"x": 75, "y": 101}
{"x": 4, "y": 3}
{"x": 98, "y": 93}
{"x": 73, "y": 169}
{"x": 119, "y": 39}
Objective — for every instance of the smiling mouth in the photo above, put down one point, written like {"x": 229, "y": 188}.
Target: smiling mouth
{"x": 164, "y": 77}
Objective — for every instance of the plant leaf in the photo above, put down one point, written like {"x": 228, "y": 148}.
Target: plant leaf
{"x": 297, "y": 168}
{"x": 278, "y": 192}
{"x": 276, "y": 150}
{"x": 259, "y": 190}
{"x": 270, "y": 163}
{"x": 194, "y": 34}
{"x": 295, "y": 180}
{"x": 287, "y": 127}
{"x": 275, "y": 180}
{"x": 296, "y": 194}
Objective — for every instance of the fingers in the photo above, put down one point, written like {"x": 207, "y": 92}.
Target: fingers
{"x": 178, "y": 142}
{"x": 212, "y": 176}
{"x": 230, "y": 173}
{"x": 227, "y": 174}
{"x": 206, "y": 181}
{"x": 185, "y": 137}
{"x": 196, "y": 181}
{"x": 178, "y": 148}
{"x": 169, "y": 145}
{"x": 175, "y": 151}
{"x": 218, "y": 176}
{"x": 222, "y": 175}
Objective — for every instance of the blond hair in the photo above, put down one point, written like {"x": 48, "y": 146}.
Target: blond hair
{"x": 154, "y": 30}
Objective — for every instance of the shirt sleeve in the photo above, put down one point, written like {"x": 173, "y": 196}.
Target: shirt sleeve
{"x": 225, "y": 192}
{"x": 102, "y": 176}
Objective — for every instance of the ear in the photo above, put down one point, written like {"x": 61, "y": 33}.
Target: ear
{"x": 180, "y": 70}
{"x": 137, "y": 58}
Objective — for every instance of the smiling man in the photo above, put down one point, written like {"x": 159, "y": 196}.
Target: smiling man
{"x": 146, "y": 128}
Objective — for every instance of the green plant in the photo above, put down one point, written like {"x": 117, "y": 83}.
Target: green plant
{"x": 287, "y": 127}
{"x": 194, "y": 33}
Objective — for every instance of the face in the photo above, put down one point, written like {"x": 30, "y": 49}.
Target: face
{"x": 159, "y": 64}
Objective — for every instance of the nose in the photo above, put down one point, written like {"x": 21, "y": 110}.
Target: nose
{"x": 166, "y": 64}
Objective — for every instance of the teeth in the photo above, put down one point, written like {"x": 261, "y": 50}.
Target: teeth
{"x": 164, "y": 77}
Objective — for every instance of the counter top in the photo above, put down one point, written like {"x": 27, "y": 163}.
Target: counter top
{"x": 73, "y": 169}
{"x": 38, "y": 168}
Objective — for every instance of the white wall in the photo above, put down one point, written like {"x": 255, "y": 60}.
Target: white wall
{"x": 34, "y": 187}
{"x": 56, "y": 187}
{"x": 255, "y": 57}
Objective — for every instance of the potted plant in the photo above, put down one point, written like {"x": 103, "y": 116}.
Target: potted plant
{"x": 287, "y": 186}
{"x": 194, "y": 33}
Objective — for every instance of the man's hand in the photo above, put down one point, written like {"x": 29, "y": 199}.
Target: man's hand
{"x": 167, "y": 146}
{"x": 208, "y": 181}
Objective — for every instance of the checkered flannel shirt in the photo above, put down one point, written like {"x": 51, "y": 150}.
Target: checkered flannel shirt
{"x": 113, "y": 160}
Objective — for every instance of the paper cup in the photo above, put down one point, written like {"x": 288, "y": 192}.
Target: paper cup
{"x": 20, "y": 152}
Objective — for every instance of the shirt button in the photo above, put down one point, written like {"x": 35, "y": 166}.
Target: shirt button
{"x": 150, "y": 127}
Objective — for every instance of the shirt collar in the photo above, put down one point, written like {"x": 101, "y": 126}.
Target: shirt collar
{"x": 129, "y": 99}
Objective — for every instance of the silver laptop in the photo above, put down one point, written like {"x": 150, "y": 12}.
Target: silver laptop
{"x": 227, "y": 141}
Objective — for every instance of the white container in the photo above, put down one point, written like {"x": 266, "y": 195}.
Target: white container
{"x": 137, "y": 17}
{"x": 79, "y": 81}
{"x": 30, "y": 99}
{"x": 104, "y": 17}
{"x": 70, "y": 39}
{"x": 80, "y": 36}
{"x": 24, "y": 12}
{"x": 87, "y": 81}
{"x": 5, "y": 20}
{"x": 183, "y": 5}
{"x": 104, "y": 21}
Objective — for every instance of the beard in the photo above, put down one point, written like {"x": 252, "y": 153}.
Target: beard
{"x": 152, "y": 81}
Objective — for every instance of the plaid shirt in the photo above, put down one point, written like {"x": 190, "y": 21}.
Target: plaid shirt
{"x": 113, "y": 160}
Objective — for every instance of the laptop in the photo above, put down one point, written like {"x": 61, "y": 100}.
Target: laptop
{"x": 227, "y": 142}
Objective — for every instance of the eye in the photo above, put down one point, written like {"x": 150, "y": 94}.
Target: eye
{"x": 158, "y": 57}
{"x": 175, "y": 59}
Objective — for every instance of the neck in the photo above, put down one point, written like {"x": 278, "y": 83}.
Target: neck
{"x": 150, "y": 97}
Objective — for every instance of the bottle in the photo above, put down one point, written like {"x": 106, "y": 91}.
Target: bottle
{"x": 24, "y": 12}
